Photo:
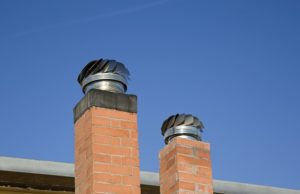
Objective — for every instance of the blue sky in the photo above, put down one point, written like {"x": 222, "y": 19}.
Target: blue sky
{"x": 234, "y": 64}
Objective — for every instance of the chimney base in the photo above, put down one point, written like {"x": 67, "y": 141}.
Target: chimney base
{"x": 185, "y": 167}
{"x": 106, "y": 144}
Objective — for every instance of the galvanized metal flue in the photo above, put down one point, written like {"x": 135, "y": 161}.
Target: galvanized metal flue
{"x": 182, "y": 125}
{"x": 104, "y": 74}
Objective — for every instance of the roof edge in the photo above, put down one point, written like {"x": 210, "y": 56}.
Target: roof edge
{"x": 62, "y": 169}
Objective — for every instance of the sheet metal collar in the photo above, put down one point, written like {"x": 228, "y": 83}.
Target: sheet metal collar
{"x": 105, "y": 81}
{"x": 188, "y": 132}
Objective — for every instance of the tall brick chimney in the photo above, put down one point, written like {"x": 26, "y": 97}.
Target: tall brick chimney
{"x": 185, "y": 165}
{"x": 106, "y": 134}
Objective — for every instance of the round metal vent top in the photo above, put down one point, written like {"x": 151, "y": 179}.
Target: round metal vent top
{"x": 104, "y": 74}
{"x": 182, "y": 125}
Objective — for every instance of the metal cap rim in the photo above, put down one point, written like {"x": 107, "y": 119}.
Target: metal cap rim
{"x": 103, "y": 76}
{"x": 182, "y": 130}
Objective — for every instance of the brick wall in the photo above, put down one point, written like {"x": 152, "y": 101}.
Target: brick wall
{"x": 106, "y": 152}
{"x": 185, "y": 167}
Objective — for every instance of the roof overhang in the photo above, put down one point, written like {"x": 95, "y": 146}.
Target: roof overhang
{"x": 59, "y": 176}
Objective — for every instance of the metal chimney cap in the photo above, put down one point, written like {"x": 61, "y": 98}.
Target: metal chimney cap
{"x": 104, "y": 74}
{"x": 182, "y": 125}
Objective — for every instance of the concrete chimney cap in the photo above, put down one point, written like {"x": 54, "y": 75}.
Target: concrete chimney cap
{"x": 104, "y": 74}
{"x": 184, "y": 125}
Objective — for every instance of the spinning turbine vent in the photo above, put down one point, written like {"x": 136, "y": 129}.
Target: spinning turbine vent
{"x": 104, "y": 74}
{"x": 182, "y": 125}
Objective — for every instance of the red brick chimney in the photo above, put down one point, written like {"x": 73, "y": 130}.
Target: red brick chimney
{"x": 185, "y": 165}
{"x": 106, "y": 135}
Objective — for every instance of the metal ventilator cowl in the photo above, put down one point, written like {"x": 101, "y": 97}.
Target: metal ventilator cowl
{"x": 104, "y": 74}
{"x": 182, "y": 125}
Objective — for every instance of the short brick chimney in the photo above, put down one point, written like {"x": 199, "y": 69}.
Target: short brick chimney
{"x": 185, "y": 165}
{"x": 106, "y": 134}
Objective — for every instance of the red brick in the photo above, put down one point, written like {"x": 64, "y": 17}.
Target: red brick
{"x": 200, "y": 153}
{"x": 116, "y": 141}
{"x": 188, "y": 142}
{"x": 106, "y": 149}
{"x": 127, "y": 161}
{"x": 165, "y": 174}
{"x": 111, "y": 132}
{"x": 100, "y": 122}
{"x": 187, "y": 186}
{"x": 129, "y": 142}
{"x": 112, "y": 169}
{"x": 101, "y": 139}
{"x": 121, "y": 170}
{"x": 116, "y": 160}
{"x": 134, "y": 153}
{"x": 193, "y": 178}
{"x": 106, "y": 152}
{"x": 182, "y": 150}
{"x": 115, "y": 123}
{"x": 185, "y": 168}
{"x": 131, "y": 180}
{"x": 103, "y": 158}
{"x": 135, "y": 171}
{"x": 114, "y": 114}
{"x": 109, "y": 188}
{"x": 107, "y": 178}
{"x": 193, "y": 161}
{"x": 133, "y": 134}
{"x": 128, "y": 125}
